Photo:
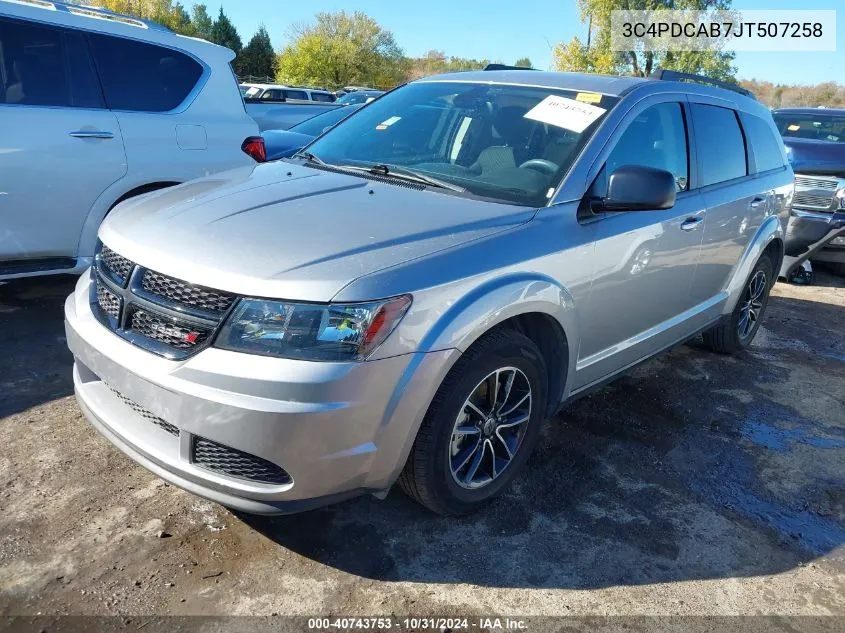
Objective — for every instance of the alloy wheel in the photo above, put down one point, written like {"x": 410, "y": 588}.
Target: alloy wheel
{"x": 490, "y": 427}
{"x": 752, "y": 304}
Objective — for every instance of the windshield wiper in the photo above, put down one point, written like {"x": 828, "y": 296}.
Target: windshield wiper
{"x": 403, "y": 173}
{"x": 310, "y": 158}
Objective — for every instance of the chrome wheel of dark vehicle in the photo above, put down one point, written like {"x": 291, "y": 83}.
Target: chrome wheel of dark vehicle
{"x": 490, "y": 427}
{"x": 752, "y": 304}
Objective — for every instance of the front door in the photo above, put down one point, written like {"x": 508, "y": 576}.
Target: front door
{"x": 644, "y": 260}
{"x": 59, "y": 147}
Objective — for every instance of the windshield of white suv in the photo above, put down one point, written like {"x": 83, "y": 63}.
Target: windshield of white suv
{"x": 819, "y": 127}
{"x": 506, "y": 142}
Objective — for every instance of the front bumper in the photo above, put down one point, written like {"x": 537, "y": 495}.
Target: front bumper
{"x": 338, "y": 429}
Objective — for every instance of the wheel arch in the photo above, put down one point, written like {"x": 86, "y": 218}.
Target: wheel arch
{"x": 768, "y": 239}
{"x": 107, "y": 201}
{"x": 532, "y": 303}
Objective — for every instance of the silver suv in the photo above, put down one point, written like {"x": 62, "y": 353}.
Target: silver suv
{"x": 410, "y": 297}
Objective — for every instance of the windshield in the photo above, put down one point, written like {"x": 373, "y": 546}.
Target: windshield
{"x": 316, "y": 124}
{"x": 506, "y": 142}
{"x": 819, "y": 127}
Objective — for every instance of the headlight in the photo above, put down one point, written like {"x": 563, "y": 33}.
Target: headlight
{"x": 328, "y": 332}
{"x": 840, "y": 197}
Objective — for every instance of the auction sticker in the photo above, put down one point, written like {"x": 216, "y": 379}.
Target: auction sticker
{"x": 566, "y": 113}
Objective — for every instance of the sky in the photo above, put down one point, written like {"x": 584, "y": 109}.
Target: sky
{"x": 505, "y": 30}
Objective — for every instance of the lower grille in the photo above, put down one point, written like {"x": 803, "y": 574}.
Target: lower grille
{"x": 147, "y": 415}
{"x": 183, "y": 337}
{"x": 234, "y": 463}
{"x": 802, "y": 199}
{"x": 108, "y": 302}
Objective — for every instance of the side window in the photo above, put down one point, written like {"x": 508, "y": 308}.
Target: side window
{"x": 767, "y": 149}
{"x": 33, "y": 64}
{"x": 272, "y": 94}
{"x": 295, "y": 94}
{"x": 321, "y": 96}
{"x": 721, "y": 146}
{"x": 656, "y": 138}
{"x": 143, "y": 77}
{"x": 85, "y": 86}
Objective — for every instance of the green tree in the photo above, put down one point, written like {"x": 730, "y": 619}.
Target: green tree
{"x": 224, "y": 33}
{"x": 257, "y": 58}
{"x": 340, "y": 49}
{"x": 166, "y": 12}
{"x": 524, "y": 61}
{"x": 202, "y": 21}
{"x": 597, "y": 57}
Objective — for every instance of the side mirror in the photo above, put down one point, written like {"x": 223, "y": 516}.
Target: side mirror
{"x": 638, "y": 188}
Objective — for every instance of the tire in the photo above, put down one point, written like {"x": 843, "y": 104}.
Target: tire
{"x": 737, "y": 332}
{"x": 430, "y": 476}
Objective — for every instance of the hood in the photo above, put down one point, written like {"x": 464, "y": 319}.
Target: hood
{"x": 284, "y": 143}
{"x": 286, "y": 231}
{"x": 810, "y": 156}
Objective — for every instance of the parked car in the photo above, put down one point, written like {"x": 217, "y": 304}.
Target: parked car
{"x": 285, "y": 143}
{"x": 273, "y": 92}
{"x": 815, "y": 145}
{"x": 97, "y": 108}
{"x": 274, "y": 115}
{"x": 359, "y": 97}
{"x": 435, "y": 277}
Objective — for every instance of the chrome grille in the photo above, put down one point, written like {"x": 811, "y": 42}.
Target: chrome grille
{"x": 184, "y": 293}
{"x": 144, "y": 413}
{"x": 815, "y": 192}
{"x": 119, "y": 266}
{"x": 234, "y": 463}
{"x": 161, "y": 314}
{"x": 158, "y": 328}
{"x": 109, "y": 302}
{"x": 817, "y": 182}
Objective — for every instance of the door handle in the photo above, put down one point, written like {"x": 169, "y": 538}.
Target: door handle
{"x": 690, "y": 223}
{"x": 91, "y": 134}
{"x": 756, "y": 202}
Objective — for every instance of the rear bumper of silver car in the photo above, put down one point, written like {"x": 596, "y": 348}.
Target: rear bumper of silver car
{"x": 257, "y": 434}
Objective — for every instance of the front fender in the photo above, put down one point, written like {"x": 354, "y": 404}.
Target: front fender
{"x": 453, "y": 332}
{"x": 771, "y": 229}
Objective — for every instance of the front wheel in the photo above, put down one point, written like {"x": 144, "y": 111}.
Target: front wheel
{"x": 481, "y": 426}
{"x": 738, "y": 331}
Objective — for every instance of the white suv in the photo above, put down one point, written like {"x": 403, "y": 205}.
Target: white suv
{"x": 96, "y": 108}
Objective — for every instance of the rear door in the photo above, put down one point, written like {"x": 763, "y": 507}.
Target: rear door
{"x": 736, "y": 200}
{"x": 59, "y": 147}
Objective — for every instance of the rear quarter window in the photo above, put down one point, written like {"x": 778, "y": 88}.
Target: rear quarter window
{"x": 143, "y": 77}
{"x": 720, "y": 143}
{"x": 766, "y": 148}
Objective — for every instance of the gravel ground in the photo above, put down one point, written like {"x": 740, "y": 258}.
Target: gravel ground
{"x": 700, "y": 484}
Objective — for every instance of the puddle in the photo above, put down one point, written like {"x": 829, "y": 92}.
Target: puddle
{"x": 781, "y": 440}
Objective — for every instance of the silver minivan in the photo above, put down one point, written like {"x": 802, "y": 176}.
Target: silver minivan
{"x": 410, "y": 297}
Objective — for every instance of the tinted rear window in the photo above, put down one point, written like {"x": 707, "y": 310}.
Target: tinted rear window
{"x": 765, "y": 145}
{"x": 721, "y": 146}
{"x": 143, "y": 77}
{"x": 32, "y": 62}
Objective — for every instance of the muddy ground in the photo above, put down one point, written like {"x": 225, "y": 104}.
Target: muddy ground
{"x": 701, "y": 484}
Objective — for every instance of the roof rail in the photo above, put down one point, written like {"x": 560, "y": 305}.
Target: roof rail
{"x": 506, "y": 67}
{"x": 673, "y": 75}
{"x": 97, "y": 12}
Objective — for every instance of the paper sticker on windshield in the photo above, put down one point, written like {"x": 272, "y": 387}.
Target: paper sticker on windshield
{"x": 588, "y": 97}
{"x": 388, "y": 122}
{"x": 793, "y": 128}
{"x": 566, "y": 113}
